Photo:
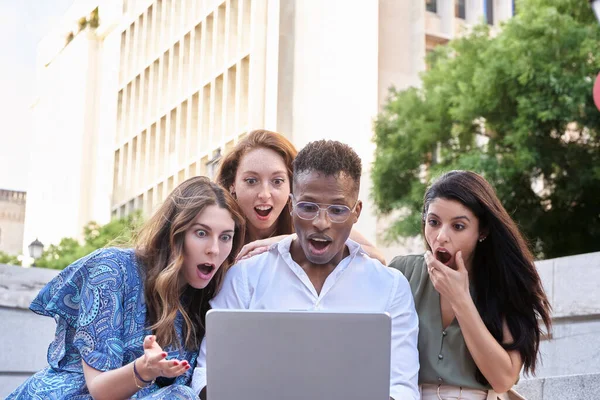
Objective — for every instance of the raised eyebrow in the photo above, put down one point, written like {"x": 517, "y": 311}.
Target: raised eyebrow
{"x": 273, "y": 174}
{"x": 205, "y": 227}
{"x": 431, "y": 214}
{"x": 461, "y": 217}
{"x": 335, "y": 202}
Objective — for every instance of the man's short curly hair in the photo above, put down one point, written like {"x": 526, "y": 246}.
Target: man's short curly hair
{"x": 329, "y": 157}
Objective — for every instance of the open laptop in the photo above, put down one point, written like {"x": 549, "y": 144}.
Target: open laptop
{"x": 297, "y": 355}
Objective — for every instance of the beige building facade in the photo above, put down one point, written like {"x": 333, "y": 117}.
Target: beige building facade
{"x": 12, "y": 221}
{"x": 67, "y": 156}
{"x": 179, "y": 82}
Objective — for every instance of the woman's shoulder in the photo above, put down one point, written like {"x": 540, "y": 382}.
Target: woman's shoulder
{"x": 115, "y": 262}
{"x": 118, "y": 257}
{"x": 104, "y": 268}
{"x": 112, "y": 262}
{"x": 409, "y": 265}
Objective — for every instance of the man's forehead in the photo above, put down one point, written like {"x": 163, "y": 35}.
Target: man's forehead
{"x": 319, "y": 177}
{"x": 324, "y": 188}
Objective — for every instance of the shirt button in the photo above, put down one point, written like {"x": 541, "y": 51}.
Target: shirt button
{"x": 444, "y": 333}
{"x": 440, "y": 356}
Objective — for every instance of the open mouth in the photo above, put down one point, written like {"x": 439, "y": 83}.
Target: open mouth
{"x": 205, "y": 269}
{"x": 319, "y": 245}
{"x": 263, "y": 211}
{"x": 443, "y": 256}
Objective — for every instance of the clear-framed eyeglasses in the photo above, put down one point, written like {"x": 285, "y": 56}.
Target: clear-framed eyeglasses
{"x": 308, "y": 210}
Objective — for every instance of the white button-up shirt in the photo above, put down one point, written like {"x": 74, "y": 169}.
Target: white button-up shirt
{"x": 273, "y": 281}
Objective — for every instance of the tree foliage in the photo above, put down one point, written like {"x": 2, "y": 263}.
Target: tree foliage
{"x": 118, "y": 232}
{"x": 6, "y": 258}
{"x": 517, "y": 107}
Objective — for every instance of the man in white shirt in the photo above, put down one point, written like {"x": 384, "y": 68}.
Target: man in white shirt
{"x": 321, "y": 268}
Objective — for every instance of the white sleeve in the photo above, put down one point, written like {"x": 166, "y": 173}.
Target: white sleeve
{"x": 234, "y": 294}
{"x": 404, "y": 371}
{"x": 199, "y": 376}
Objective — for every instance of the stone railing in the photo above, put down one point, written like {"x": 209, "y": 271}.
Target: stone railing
{"x": 570, "y": 358}
{"x": 569, "y": 387}
{"x": 25, "y": 335}
{"x": 569, "y": 369}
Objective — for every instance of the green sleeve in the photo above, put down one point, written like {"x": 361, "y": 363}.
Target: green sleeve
{"x": 405, "y": 264}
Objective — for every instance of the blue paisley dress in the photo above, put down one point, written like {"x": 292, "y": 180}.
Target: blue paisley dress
{"x": 98, "y": 305}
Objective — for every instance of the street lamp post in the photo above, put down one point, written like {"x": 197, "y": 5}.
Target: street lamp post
{"x": 595, "y": 4}
{"x": 36, "y": 248}
{"x": 596, "y": 7}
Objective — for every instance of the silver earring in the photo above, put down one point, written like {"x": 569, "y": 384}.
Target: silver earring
{"x": 481, "y": 239}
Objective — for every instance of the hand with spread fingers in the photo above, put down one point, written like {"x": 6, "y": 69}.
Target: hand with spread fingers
{"x": 451, "y": 284}
{"x": 154, "y": 364}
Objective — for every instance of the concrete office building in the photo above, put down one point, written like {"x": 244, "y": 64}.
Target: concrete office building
{"x": 68, "y": 158}
{"x": 12, "y": 221}
{"x": 178, "y": 82}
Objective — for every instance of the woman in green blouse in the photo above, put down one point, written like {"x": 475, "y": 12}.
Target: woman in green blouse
{"x": 477, "y": 293}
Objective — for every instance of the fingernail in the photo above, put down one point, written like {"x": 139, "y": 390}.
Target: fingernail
{"x": 187, "y": 367}
{"x": 175, "y": 363}
{"x": 164, "y": 355}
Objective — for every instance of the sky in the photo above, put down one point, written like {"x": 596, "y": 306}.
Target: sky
{"x": 23, "y": 23}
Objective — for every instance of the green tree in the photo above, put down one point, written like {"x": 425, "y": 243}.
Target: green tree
{"x": 8, "y": 259}
{"x": 118, "y": 232}
{"x": 516, "y": 107}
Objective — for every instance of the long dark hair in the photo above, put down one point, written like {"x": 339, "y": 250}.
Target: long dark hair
{"x": 160, "y": 252}
{"x": 507, "y": 285}
{"x": 261, "y": 139}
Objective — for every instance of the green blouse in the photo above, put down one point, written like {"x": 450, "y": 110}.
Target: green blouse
{"x": 443, "y": 353}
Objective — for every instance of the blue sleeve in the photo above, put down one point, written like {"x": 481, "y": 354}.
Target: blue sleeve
{"x": 87, "y": 301}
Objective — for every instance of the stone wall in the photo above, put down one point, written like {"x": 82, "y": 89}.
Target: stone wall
{"x": 571, "y": 284}
{"x": 570, "y": 387}
{"x": 569, "y": 369}
{"x": 25, "y": 335}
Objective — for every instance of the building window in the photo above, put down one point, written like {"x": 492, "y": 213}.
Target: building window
{"x": 459, "y": 9}
{"x": 431, "y": 5}
{"x": 213, "y": 163}
{"x": 488, "y": 6}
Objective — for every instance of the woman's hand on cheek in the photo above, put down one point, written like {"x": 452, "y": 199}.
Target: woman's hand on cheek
{"x": 451, "y": 284}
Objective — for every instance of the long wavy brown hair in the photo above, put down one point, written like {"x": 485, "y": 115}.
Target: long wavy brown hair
{"x": 506, "y": 282}
{"x": 160, "y": 253}
{"x": 258, "y": 139}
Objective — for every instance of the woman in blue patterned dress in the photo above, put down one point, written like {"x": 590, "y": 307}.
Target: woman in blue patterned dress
{"x": 130, "y": 321}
